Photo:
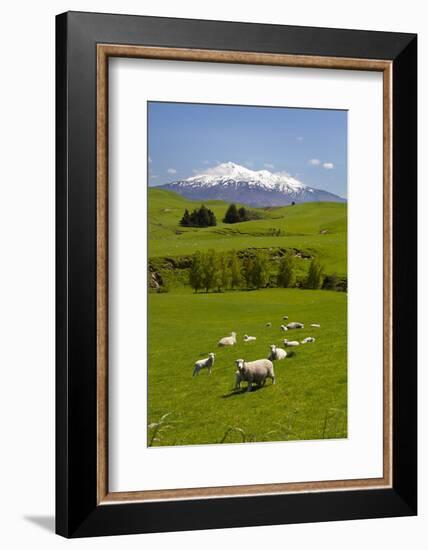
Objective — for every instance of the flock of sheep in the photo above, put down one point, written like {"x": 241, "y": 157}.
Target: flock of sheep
{"x": 255, "y": 372}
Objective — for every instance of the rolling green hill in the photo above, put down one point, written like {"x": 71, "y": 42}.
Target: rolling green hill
{"x": 319, "y": 229}
{"x": 309, "y": 399}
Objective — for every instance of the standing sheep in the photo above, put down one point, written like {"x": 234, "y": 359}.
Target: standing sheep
{"x": 228, "y": 340}
{"x": 277, "y": 354}
{"x": 294, "y": 324}
{"x": 206, "y": 363}
{"x": 249, "y": 338}
{"x": 291, "y": 343}
{"x": 283, "y": 327}
{"x": 254, "y": 372}
{"x": 308, "y": 340}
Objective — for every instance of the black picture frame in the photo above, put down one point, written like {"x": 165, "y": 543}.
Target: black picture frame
{"x": 77, "y": 511}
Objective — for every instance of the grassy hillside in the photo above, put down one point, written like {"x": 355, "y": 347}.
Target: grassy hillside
{"x": 318, "y": 228}
{"x": 309, "y": 399}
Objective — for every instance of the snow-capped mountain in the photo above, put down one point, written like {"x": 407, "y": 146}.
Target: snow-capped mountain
{"x": 231, "y": 182}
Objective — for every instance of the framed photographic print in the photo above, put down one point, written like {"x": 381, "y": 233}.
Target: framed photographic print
{"x": 236, "y": 274}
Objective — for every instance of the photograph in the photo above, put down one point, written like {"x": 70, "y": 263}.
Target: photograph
{"x": 247, "y": 274}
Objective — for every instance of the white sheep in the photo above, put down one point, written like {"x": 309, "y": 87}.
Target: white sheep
{"x": 315, "y": 325}
{"x": 285, "y": 317}
{"x": 308, "y": 340}
{"x": 291, "y": 343}
{"x": 206, "y": 363}
{"x": 254, "y": 372}
{"x": 249, "y": 338}
{"x": 283, "y": 327}
{"x": 276, "y": 353}
{"x": 228, "y": 340}
{"x": 294, "y": 324}
{"x": 268, "y": 324}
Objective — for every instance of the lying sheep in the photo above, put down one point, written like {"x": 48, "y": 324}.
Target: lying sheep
{"x": 254, "y": 372}
{"x": 277, "y": 354}
{"x": 228, "y": 340}
{"x": 283, "y": 327}
{"x": 315, "y": 325}
{"x": 308, "y": 340}
{"x": 294, "y": 324}
{"x": 291, "y": 343}
{"x": 249, "y": 338}
{"x": 268, "y": 324}
{"x": 285, "y": 317}
{"x": 206, "y": 363}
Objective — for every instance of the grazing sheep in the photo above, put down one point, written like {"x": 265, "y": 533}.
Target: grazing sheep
{"x": 249, "y": 338}
{"x": 315, "y": 325}
{"x": 228, "y": 340}
{"x": 206, "y": 363}
{"x": 294, "y": 324}
{"x": 254, "y": 372}
{"x": 308, "y": 340}
{"x": 285, "y": 317}
{"x": 277, "y": 354}
{"x": 291, "y": 343}
{"x": 283, "y": 327}
{"x": 268, "y": 324}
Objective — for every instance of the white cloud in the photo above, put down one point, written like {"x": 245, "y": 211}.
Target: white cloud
{"x": 154, "y": 176}
{"x": 205, "y": 162}
{"x": 328, "y": 165}
{"x": 267, "y": 165}
{"x": 315, "y": 162}
{"x": 172, "y": 171}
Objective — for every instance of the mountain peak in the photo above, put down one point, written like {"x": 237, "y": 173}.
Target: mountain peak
{"x": 227, "y": 169}
{"x": 233, "y": 182}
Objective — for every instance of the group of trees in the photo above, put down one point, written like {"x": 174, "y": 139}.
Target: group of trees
{"x": 235, "y": 215}
{"x": 200, "y": 217}
{"x": 204, "y": 217}
{"x": 219, "y": 271}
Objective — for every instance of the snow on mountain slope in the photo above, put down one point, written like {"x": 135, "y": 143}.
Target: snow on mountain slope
{"x": 231, "y": 182}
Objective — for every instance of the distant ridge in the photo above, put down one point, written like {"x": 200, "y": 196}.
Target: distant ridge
{"x": 231, "y": 182}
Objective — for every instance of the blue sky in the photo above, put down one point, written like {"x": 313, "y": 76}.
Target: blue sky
{"x": 186, "y": 138}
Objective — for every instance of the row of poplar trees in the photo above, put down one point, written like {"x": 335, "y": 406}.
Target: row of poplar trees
{"x": 219, "y": 271}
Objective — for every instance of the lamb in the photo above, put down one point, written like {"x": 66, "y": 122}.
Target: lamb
{"x": 206, "y": 363}
{"x": 316, "y": 325}
{"x": 295, "y": 325}
{"x": 249, "y": 338}
{"x": 292, "y": 343}
{"x": 308, "y": 340}
{"x": 228, "y": 340}
{"x": 277, "y": 354}
{"x": 283, "y": 327}
{"x": 254, "y": 372}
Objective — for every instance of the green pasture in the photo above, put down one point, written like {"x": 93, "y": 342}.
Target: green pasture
{"x": 309, "y": 399}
